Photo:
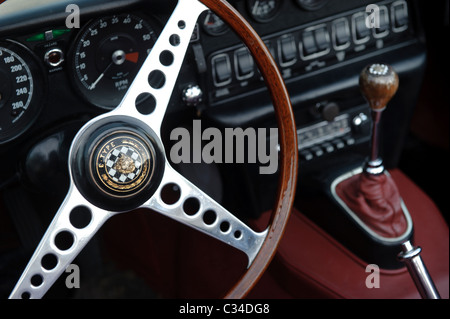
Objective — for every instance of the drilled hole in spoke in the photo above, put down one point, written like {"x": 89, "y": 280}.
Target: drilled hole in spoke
{"x": 238, "y": 234}
{"x": 64, "y": 240}
{"x": 25, "y": 295}
{"x": 181, "y": 24}
{"x": 145, "y": 103}
{"x": 36, "y": 280}
{"x": 80, "y": 217}
{"x": 49, "y": 262}
{"x": 191, "y": 206}
{"x": 166, "y": 58}
{"x": 209, "y": 217}
{"x": 156, "y": 79}
{"x": 175, "y": 40}
{"x": 170, "y": 194}
{"x": 224, "y": 226}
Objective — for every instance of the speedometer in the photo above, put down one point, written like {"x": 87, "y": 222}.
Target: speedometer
{"x": 107, "y": 56}
{"x": 21, "y": 90}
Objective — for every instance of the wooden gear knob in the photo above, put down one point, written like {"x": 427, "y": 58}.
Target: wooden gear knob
{"x": 378, "y": 84}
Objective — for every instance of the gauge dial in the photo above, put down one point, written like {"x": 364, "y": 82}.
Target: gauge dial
{"x": 21, "y": 90}
{"x": 107, "y": 56}
{"x": 263, "y": 10}
{"x": 213, "y": 25}
{"x": 312, "y": 5}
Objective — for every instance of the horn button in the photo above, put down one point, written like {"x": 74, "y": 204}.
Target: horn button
{"x": 117, "y": 165}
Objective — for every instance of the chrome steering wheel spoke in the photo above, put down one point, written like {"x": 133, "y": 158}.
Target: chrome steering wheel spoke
{"x": 149, "y": 95}
{"x": 75, "y": 223}
{"x": 179, "y": 199}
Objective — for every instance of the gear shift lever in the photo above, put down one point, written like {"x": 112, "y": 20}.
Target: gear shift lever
{"x": 373, "y": 195}
{"x": 378, "y": 84}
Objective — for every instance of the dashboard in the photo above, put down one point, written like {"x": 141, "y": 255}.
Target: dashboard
{"x": 62, "y": 65}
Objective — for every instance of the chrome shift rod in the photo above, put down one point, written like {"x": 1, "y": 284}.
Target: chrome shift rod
{"x": 418, "y": 271}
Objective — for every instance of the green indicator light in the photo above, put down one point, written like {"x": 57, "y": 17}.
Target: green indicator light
{"x": 36, "y": 37}
{"x": 41, "y": 36}
{"x": 58, "y": 33}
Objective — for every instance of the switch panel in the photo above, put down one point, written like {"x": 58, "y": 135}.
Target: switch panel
{"x": 306, "y": 48}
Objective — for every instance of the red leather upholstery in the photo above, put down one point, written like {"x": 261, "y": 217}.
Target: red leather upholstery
{"x": 310, "y": 263}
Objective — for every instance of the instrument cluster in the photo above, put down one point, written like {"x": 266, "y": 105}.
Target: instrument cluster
{"x": 101, "y": 61}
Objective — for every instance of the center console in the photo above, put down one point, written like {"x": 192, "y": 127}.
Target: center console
{"x": 320, "y": 54}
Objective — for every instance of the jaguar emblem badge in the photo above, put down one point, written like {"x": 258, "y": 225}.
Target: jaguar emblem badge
{"x": 122, "y": 164}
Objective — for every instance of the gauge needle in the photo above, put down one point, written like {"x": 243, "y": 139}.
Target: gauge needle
{"x": 93, "y": 85}
{"x": 132, "y": 57}
{"x": 210, "y": 19}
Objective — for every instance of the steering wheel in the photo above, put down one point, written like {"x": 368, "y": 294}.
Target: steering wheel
{"x": 117, "y": 163}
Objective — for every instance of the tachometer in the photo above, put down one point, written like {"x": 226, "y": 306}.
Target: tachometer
{"x": 21, "y": 90}
{"x": 107, "y": 56}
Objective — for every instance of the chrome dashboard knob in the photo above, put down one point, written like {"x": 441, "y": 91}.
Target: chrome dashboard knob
{"x": 192, "y": 95}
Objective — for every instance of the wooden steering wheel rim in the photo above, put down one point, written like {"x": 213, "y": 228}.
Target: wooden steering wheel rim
{"x": 287, "y": 138}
